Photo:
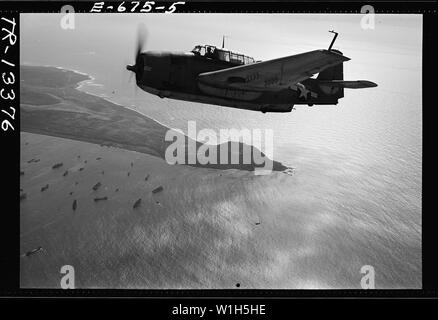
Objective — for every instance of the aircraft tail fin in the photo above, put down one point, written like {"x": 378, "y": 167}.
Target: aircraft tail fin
{"x": 333, "y": 73}
{"x": 331, "y": 81}
{"x": 334, "y": 77}
{"x": 327, "y": 76}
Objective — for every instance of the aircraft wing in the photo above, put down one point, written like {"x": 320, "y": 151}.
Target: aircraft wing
{"x": 275, "y": 74}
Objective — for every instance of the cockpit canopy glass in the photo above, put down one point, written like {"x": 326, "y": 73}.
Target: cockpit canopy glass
{"x": 212, "y": 52}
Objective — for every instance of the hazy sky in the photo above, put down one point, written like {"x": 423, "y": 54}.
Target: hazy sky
{"x": 263, "y": 36}
{"x": 103, "y": 44}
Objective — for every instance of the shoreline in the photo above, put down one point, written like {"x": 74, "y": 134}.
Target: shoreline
{"x": 80, "y": 84}
{"x": 87, "y": 117}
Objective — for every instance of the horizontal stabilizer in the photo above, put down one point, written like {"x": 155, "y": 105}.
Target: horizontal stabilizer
{"x": 358, "y": 84}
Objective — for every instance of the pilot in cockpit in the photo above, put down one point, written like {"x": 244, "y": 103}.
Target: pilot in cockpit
{"x": 209, "y": 53}
{"x": 197, "y": 50}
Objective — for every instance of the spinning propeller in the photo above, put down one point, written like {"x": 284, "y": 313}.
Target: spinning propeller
{"x": 137, "y": 68}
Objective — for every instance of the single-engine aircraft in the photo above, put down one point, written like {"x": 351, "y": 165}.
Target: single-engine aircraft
{"x": 222, "y": 77}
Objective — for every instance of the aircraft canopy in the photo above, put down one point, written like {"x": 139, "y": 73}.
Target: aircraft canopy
{"x": 222, "y": 54}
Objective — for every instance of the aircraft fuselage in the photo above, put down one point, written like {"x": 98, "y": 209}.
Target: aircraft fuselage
{"x": 175, "y": 75}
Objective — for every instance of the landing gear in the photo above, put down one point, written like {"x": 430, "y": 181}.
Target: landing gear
{"x": 263, "y": 109}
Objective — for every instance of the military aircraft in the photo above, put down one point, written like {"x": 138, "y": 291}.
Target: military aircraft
{"x": 218, "y": 76}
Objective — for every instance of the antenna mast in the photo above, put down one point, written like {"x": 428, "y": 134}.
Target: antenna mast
{"x": 333, "y": 40}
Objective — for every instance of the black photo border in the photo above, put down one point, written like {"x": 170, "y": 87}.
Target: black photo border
{"x": 10, "y": 159}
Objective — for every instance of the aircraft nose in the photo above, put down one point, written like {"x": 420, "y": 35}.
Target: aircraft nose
{"x": 138, "y": 67}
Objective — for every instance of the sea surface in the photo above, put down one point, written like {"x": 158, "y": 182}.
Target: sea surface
{"x": 355, "y": 196}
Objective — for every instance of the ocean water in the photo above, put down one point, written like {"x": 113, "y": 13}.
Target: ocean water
{"x": 355, "y": 196}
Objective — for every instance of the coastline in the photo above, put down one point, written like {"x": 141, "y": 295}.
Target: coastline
{"x": 83, "y": 116}
{"x": 62, "y": 223}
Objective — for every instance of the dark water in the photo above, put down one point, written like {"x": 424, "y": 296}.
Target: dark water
{"x": 355, "y": 197}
